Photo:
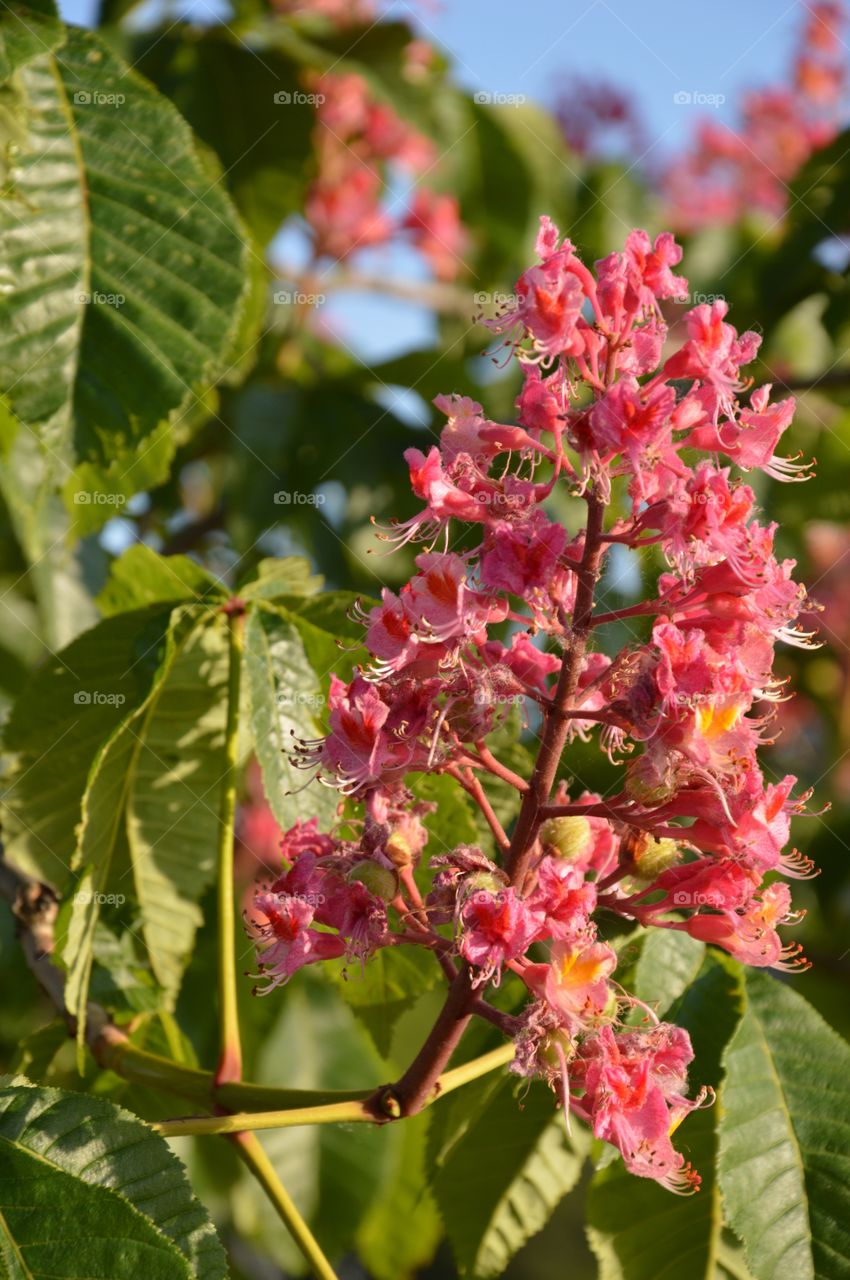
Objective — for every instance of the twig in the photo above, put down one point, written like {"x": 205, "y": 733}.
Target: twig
{"x": 254, "y": 1156}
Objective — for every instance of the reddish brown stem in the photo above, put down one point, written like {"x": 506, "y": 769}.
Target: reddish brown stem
{"x": 498, "y": 769}
{"x": 416, "y": 1086}
{"x": 473, "y": 787}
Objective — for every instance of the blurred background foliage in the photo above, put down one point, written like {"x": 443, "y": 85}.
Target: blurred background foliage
{"x": 298, "y": 443}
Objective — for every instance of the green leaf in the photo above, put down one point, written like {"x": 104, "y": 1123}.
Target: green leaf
{"x": 389, "y": 984}
{"x": 639, "y": 1231}
{"x": 285, "y": 701}
{"x": 141, "y": 577}
{"x": 91, "y": 1191}
{"x": 668, "y": 963}
{"x": 400, "y": 1231}
{"x": 35, "y": 1054}
{"x": 59, "y": 723}
{"x": 26, "y": 31}
{"x": 499, "y": 1166}
{"x": 152, "y": 804}
{"x": 785, "y": 1137}
{"x": 174, "y": 797}
{"x": 265, "y": 146}
{"x": 287, "y": 576}
{"x": 127, "y": 271}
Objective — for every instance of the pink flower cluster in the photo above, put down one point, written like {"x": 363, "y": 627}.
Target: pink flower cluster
{"x": 695, "y": 837}
{"x": 729, "y": 171}
{"x": 356, "y": 138}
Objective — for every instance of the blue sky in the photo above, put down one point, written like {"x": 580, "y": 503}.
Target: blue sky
{"x": 654, "y": 48}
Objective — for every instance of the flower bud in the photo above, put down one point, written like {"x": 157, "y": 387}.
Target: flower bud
{"x": 645, "y": 784}
{"x": 398, "y": 850}
{"x": 567, "y": 837}
{"x": 656, "y": 856}
{"x": 380, "y": 881}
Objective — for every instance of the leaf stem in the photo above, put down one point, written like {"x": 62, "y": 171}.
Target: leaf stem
{"x": 230, "y": 1058}
{"x": 351, "y": 1111}
{"x": 251, "y": 1152}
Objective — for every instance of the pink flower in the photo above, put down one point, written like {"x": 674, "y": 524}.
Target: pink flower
{"x": 521, "y": 557}
{"x": 634, "y": 1094}
{"x": 285, "y": 941}
{"x": 714, "y": 354}
{"x": 550, "y": 298}
{"x": 575, "y": 982}
{"x": 496, "y": 927}
{"x": 565, "y": 901}
{"x": 749, "y": 934}
{"x": 438, "y": 232}
{"x": 359, "y": 748}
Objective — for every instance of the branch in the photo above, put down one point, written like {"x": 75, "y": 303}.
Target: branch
{"x": 334, "y": 1113}
{"x": 439, "y": 297}
{"x": 252, "y": 1153}
{"x": 35, "y": 907}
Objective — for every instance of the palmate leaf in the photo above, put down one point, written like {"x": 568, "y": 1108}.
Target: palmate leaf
{"x": 150, "y": 810}
{"x": 88, "y": 1190}
{"x": 60, "y": 721}
{"x": 286, "y": 701}
{"x": 498, "y": 1166}
{"x": 124, "y": 267}
{"x": 784, "y": 1161}
{"x": 638, "y": 1230}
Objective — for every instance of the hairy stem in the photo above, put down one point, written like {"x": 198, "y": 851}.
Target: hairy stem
{"x": 251, "y": 1152}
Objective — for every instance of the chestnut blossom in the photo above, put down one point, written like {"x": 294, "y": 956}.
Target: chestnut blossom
{"x": 696, "y": 836}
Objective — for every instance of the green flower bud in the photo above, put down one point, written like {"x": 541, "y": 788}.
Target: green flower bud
{"x": 656, "y": 856}
{"x": 567, "y": 837}
{"x": 380, "y": 881}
